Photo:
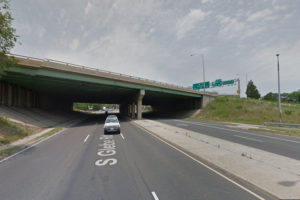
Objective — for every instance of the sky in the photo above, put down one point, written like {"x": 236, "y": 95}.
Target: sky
{"x": 154, "y": 39}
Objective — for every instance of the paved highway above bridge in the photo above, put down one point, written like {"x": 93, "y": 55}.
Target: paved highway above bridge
{"x": 53, "y": 84}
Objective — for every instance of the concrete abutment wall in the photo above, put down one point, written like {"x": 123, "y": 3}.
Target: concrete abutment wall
{"x": 14, "y": 95}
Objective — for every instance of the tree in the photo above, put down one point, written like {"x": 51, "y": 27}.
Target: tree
{"x": 8, "y": 35}
{"x": 271, "y": 96}
{"x": 294, "y": 96}
{"x": 252, "y": 91}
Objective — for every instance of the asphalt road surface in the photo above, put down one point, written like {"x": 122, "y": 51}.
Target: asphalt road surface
{"x": 82, "y": 163}
{"x": 281, "y": 145}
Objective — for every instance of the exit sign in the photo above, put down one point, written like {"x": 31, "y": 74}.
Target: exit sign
{"x": 198, "y": 86}
{"x": 216, "y": 83}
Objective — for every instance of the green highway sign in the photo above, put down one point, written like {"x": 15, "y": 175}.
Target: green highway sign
{"x": 198, "y": 86}
{"x": 219, "y": 83}
{"x": 216, "y": 83}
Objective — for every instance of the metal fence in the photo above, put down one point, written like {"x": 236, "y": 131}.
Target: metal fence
{"x": 280, "y": 124}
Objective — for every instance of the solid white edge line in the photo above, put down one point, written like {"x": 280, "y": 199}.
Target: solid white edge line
{"x": 226, "y": 129}
{"x": 154, "y": 195}
{"x": 208, "y": 167}
{"x": 248, "y": 138}
{"x": 86, "y": 138}
{"x": 122, "y": 136}
{"x": 29, "y": 147}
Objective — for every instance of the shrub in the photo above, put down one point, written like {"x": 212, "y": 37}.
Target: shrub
{"x": 239, "y": 107}
{"x": 212, "y": 107}
{"x": 288, "y": 112}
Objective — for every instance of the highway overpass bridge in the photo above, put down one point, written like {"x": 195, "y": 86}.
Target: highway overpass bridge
{"x": 50, "y": 84}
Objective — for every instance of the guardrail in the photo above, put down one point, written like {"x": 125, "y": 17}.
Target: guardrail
{"x": 280, "y": 124}
{"x": 104, "y": 71}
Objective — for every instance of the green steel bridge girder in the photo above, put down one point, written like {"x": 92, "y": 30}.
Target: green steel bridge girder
{"x": 43, "y": 79}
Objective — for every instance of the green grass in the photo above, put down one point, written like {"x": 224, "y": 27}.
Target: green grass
{"x": 9, "y": 151}
{"x": 250, "y": 111}
{"x": 13, "y": 149}
{"x": 11, "y": 131}
{"x": 49, "y": 133}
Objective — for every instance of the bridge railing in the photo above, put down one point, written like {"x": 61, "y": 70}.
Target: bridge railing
{"x": 104, "y": 71}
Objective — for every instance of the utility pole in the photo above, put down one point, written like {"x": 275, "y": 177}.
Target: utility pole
{"x": 239, "y": 87}
{"x": 279, "y": 98}
{"x": 203, "y": 72}
{"x": 202, "y": 56}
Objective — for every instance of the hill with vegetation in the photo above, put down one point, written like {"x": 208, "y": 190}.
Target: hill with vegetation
{"x": 11, "y": 131}
{"x": 251, "y": 111}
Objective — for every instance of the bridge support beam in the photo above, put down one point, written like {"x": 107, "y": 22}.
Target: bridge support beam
{"x": 206, "y": 99}
{"x": 140, "y": 103}
{"x": 133, "y": 110}
{"x": 136, "y": 107}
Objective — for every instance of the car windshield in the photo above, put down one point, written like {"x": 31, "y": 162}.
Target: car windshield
{"x": 111, "y": 120}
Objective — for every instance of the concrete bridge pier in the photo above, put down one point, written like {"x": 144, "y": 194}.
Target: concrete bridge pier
{"x": 132, "y": 110}
{"x": 140, "y": 97}
{"x": 13, "y": 95}
{"x": 135, "y": 109}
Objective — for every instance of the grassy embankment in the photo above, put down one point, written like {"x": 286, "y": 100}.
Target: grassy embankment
{"x": 251, "y": 111}
{"x": 11, "y": 131}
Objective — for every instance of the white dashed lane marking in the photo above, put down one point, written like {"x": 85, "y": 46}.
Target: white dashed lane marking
{"x": 86, "y": 138}
{"x": 154, "y": 195}
{"x": 122, "y": 136}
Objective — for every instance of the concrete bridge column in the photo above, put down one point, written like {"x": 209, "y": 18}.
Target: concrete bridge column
{"x": 128, "y": 110}
{"x": 206, "y": 99}
{"x": 9, "y": 95}
{"x": 133, "y": 110}
{"x": 16, "y": 95}
{"x": 20, "y": 97}
{"x": 2, "y": 91}
{"x": 140, "y": 103}
{"x": 28, "y": 99}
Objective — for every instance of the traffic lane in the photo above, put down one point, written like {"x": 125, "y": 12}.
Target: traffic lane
{"x": 285, "y": 138}
{"x": 103, "y": 172}
{"x": 171, "y": 174}
{"x": 284, "y": 146}
{"x": 277, "y": 137}
{"x": 63, "y": 167}
{"x": 38, "y": 172}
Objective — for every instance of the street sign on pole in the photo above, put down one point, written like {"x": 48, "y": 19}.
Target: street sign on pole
{"x": 216, "y": 83}
{"x": 198, "y": 86}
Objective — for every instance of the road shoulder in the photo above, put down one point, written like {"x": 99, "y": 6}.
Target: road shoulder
{"x": 273, "y": 173}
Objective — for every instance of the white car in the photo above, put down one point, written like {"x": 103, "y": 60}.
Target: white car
{"x": 112, "y": 125}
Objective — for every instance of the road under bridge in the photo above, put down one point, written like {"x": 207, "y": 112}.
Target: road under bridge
{"x": 50, "y": 84}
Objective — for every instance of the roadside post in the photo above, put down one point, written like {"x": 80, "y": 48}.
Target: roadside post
{"x": 279, "y": 98}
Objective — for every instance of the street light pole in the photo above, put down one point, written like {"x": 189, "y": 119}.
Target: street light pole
{"x": 202, "y": 56}
{"x": 203, "y": 71}
{"x": 279, "y": 98}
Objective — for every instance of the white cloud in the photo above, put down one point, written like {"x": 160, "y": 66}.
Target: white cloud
{"x": 189, "y": 21}
{"x": 253, "y": 31}
{"x": 74, "y": 44}
{"x": 230, "y": 27}
{"x": 207, "y": 1}
{"x": 87, "y": 8}
{"x": 40, "y": 31}
{"x": 144, "y": 38}
{"x": 264, "y": 15}
{"x": 262, "y": 66}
